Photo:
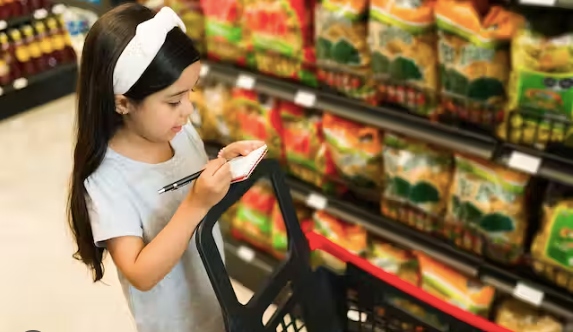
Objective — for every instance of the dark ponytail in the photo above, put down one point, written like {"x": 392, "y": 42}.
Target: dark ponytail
{"x": 97, "y": 121}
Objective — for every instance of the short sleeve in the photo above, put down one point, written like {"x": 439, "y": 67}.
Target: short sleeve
{"x": 111, "y": 212}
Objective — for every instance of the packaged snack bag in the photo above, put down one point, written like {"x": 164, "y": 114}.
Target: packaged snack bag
{"x": 227, "y": 37}
{"x": 258, "y": 118}
{"x": 515, "y": 315}
{"x": 417, "y": 178}
{"x": 455, "y": 288}
{"x": 356, "y": 150}
{"x": 342, "y": 53}
{"x": 213, "y": 115}
{"x": 279, "y": 234}
{"x": 552, "y": 248}
{"x": 253, "y": 218}
{"x": 283, "y": 37}
{"x": 306, "y": 152}
{"x": 394, "y": 260}
{"x": 474, "y": 59}
{"x": 541, "y": 85}
{"x": 487, "y": 203}
{"x": 352, "y": 237}
{"x": 404, "y": 53}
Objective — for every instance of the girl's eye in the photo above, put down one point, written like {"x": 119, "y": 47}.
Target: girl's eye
{"x": 175, "y": 104}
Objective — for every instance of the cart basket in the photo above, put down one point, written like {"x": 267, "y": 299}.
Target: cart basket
{"x": 365, "y": 298}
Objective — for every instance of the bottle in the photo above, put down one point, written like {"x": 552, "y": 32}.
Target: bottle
{"x": 10, "y": 9}
{"x": 58, "y": 42}
{"x": 69, "y": 47}
{"x": 40, "y": 62}
{"x": 22, "y": 53}
{"x": 4, "y": 14}
{"x": 24, "y": 7}
{"x": 45, "y": 44}
{"x": 5, "y": 57}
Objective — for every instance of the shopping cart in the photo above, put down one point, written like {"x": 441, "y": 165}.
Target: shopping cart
{"x": 364, "y": 298}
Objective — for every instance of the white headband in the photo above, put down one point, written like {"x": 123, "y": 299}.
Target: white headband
{"x": 142, "y": 49}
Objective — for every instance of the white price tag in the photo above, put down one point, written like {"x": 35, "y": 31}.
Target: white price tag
{"x": 305, "y": 99}
{"x": 20, "y": 83}
{"x": 204, "y": 70}
{"x": 549, "y": 3}
{"x": 58, "y": 9}
{"x": 245, "y": 253}
{"x": 316, "y": 201}
{"x": 1, "y": 91}
{"x": 528, "y": 294}
{"x": 40, "y": 14}
{"x": 245, "y": 81}
{"x": 3, "y": 24}
{"x": 524, "y": 162}
{"x": 356, "y": 316}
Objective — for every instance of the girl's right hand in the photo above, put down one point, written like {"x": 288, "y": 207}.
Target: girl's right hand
{"x": 213, "y": 184}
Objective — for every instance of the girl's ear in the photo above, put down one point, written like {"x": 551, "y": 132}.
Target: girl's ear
{"x": 122, "y": 104}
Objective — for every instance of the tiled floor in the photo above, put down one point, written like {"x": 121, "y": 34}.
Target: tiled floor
{"x": 41, "y": 287}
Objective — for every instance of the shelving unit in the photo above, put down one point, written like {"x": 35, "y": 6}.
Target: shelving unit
{"x": 522, "y": 158}
{"x": 521, "y": 284}
{"x": 36, "y": 90}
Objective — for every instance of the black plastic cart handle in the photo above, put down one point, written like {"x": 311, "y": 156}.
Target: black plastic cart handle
{"x": 312, "y": 296}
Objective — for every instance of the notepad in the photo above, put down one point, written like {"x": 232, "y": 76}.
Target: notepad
{"x": 242, "y": 167}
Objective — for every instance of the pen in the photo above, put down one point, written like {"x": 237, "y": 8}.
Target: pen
{"x": 180, "y": 183}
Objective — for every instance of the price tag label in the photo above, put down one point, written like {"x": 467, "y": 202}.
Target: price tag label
{"x": 524, "y": 162}
{"x": 548, "y": 3}
{"x": 40, "y": 14}
{"x": 305, "y": 99}
{"x": 204, "y": 70}
{"x": 20, "y": 83}
{"x": 245, "y": 81}
{"x": 3, "y": 24}
{"x": 528, "y": 294}
{"x": 356, "y": 316}
{"x": 59, "y": 9}
{"x": 245, "y": 253}
{"x": 316, "y": 201}
{"x": 1, "y": 91}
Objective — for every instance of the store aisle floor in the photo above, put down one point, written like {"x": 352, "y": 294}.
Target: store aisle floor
{"x": 41, "y": 287}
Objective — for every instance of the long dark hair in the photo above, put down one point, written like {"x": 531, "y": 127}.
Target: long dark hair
{"x": 97, "y": 119}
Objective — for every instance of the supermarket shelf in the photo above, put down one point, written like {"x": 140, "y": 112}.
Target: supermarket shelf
{"x": 527, "y": 288}
{"x": 38, "y": 14}
{"x": 482, "y": 146}
{"x": 99, "y": 9}
{"x": 39, "y": 89}
{"x": 385, "y": 118}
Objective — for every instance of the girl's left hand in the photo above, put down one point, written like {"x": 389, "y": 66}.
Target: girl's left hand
{"x": 240, "y": 148}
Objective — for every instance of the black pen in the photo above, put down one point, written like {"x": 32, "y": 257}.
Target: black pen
{"x": 180, "y": 183}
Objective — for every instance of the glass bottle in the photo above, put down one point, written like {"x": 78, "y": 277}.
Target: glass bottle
{"x": 22, "y": 53}
{"x": 69, "y": 48}
{"x": 40, "y": 62}
{"x": 45, "y": 43}
{"x": 9, "y": 53}
{"x": 58, "y": 41}
{"x": 5, "y": 77}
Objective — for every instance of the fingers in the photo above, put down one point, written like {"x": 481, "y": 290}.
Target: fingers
{"x": 241, "y": 148}
{"x": 214, "y": 165}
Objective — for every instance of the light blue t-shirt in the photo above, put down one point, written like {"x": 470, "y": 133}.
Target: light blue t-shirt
{"x": 123, "y": 201}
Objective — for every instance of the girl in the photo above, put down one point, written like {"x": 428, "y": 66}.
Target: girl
{"x": 133, "y": 138}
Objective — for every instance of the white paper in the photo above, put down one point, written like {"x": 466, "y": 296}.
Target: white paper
{"x": 528, "y": 294}
{"x": 549, "y": 3}
{"x": 245, "y": 81}
{"x": 524, "y": 162}
{"x": 316, "y": 201}
{"x": 305, "y": 99}
{"x": 241, "y": 167}
{"x": 245, "y": 253}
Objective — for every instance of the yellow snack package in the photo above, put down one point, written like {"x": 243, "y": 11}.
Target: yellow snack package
{"x": 404, "y": 53}
{"x": 487, "y": 209}
{"x": 540, "y": 89}
{"x": 474, "y": 60}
